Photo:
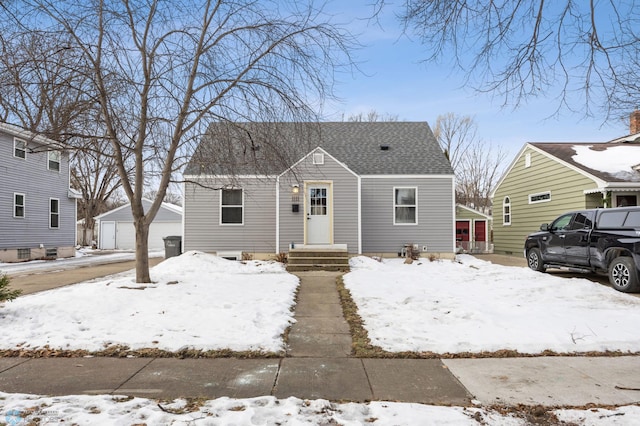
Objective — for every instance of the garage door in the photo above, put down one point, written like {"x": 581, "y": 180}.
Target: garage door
{"x": 126, "y": 235}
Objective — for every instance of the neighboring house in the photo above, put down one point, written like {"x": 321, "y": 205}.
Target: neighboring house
{"x": 371, "y": 188}
{"x": 547, "y": 179}
{"x": 37, "y": 206}
{"x": 473, "y": 230}
{"x": 116, "y": 230}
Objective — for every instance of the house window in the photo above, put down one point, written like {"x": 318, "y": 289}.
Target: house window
{"x": 24, "y": 253}
{"x": 405, "y": 206}
{"x": 19, "y": 148}
{"x": 506, "y": 211}
{"x": 54, "y": 160}
{"x": 318, "y": 158}
{"x": 527, "y": 160}
{"x": 232, "y": 207}
{"x": 541, "y": 197}
{"x": 51, "y": 253}
{"x": 18, "y": 205}
{"x": 54, "y": 213}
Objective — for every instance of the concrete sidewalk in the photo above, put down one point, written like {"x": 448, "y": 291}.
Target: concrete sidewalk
{"x": 318, "y": 365}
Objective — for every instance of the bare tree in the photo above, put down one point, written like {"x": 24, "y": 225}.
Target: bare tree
{"x": 160, "y": 72}
{"x": 476, "y": 164}
{"x": 42, "y": 89}
{"x": 586, "y": 50}
{"x": 371, "y": 117}
{"x": 95, "y": 176}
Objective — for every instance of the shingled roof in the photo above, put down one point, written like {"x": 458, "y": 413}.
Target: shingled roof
{"x": 271, "y": 148}
{"x": 567, "y": 153}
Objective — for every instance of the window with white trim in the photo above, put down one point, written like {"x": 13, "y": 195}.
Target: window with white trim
{"x": 541, "y": 197}
{"x": 19, "y": 148}
{"x": 54, "y": 213}
{"x": 18, "y": 205}
{"x": 405, "y": 206}
{"x": 232, "y": 207}
{"x": 53, "y": 158}
{"x": 506, "y": 211}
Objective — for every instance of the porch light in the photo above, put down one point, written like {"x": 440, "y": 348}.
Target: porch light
{"x": 295, "y": 189}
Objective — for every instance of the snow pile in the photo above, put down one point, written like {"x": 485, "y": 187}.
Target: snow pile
{"x": 196, "y": 301}
{"x": 473, "y": 306}
{"x": 616, "y": 160}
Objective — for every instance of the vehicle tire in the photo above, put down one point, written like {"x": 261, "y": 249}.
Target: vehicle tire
{"x": 623, "y": 275}
{"x": 534, "y": 260}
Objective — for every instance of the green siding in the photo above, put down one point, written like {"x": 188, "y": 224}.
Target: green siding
{"x": 464, "y": 214}
{"x": 544, "y": 174}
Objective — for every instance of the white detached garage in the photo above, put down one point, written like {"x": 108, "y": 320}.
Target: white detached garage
{"x": 116, "y": 231}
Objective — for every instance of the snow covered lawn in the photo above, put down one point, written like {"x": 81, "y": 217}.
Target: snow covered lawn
{"x": 473, "y": 306}
{"x": 197, "y": 301}
{"x": 18, "y": 409}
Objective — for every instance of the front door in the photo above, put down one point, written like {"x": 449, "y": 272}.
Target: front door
{"x": 318, "y": 210}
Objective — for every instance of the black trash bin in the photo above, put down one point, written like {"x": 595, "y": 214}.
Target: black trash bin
{"x": 172, "y": 246}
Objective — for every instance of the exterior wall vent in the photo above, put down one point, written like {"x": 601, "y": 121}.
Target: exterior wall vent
{"x": 384, "y": 147}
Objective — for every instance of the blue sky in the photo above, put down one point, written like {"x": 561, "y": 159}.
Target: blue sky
{"x": 394, "y": 81}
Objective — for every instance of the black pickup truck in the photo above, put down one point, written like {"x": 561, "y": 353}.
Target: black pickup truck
{"x": 598, "y": 240}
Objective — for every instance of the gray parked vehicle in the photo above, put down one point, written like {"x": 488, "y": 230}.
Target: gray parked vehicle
{"x": 595, "y": 240}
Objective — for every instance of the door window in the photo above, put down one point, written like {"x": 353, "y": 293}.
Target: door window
{"x": 318, "y": 201}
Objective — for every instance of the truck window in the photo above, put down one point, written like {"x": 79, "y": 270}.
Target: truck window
{"x": 611, "y": 219}
{"x": 580, "y": 221}
{"x": 562, "y": 223}
{"x": 633, "y": 220}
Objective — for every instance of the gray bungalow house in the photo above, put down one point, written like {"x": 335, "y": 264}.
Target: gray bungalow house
{"x": 37, "y": 206}
{"x": 369, "y": 188}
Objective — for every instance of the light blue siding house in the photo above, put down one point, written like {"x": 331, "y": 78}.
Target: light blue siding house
{"x": 37, "y": 206}
{"x": 371, "y": 188}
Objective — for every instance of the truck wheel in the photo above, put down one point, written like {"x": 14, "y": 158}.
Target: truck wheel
{"x": 534, "y": 260}
{"x": 623, "y": 275}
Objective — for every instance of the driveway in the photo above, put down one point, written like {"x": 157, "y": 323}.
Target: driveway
{"x": 505, "y": 260}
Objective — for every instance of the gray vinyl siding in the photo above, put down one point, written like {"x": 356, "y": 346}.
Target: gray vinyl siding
{"x": 202, "y": 229}
{"x": 436, "y": 224}
{"x": 124, "y": 214}
{"x": 544, "y": 174}
{"x": 345, "y": 202}
{"x": 31, "y": 177}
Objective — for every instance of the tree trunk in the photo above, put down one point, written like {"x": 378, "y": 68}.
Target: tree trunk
{"x": 142, "y": 252}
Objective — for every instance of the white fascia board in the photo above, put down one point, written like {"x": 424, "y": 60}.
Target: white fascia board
{"x": 318, "y": 148}
{"x": 185, "y": 177}
{"x": 614, "y": 186}
{"x": 473, "y": 211}
{"x": 101, "y": 216}
{"x": 30, "y": 136}
{"x": 629, "y": 138}
{"x": 597, "y": 181}
{"x": 408, "y": 177}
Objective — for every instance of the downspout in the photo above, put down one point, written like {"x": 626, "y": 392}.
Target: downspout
{"x": 277, "y": 214}
{"x": 359, "y": 215}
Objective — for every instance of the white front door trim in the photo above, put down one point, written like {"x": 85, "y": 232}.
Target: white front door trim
{"x": 318, "y": 212}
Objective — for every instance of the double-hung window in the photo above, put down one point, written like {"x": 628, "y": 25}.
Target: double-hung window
{"x": 18, "y": 205}
{"x": 53, "y": 160}
{"x": 405, "y": 206}
{"x": 19, "y": 148}
{"x": 232, "y": 207}
{"x": 54, "y": 213}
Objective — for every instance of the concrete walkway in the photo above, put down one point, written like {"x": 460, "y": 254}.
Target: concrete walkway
{"x": 318, "y": 365}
